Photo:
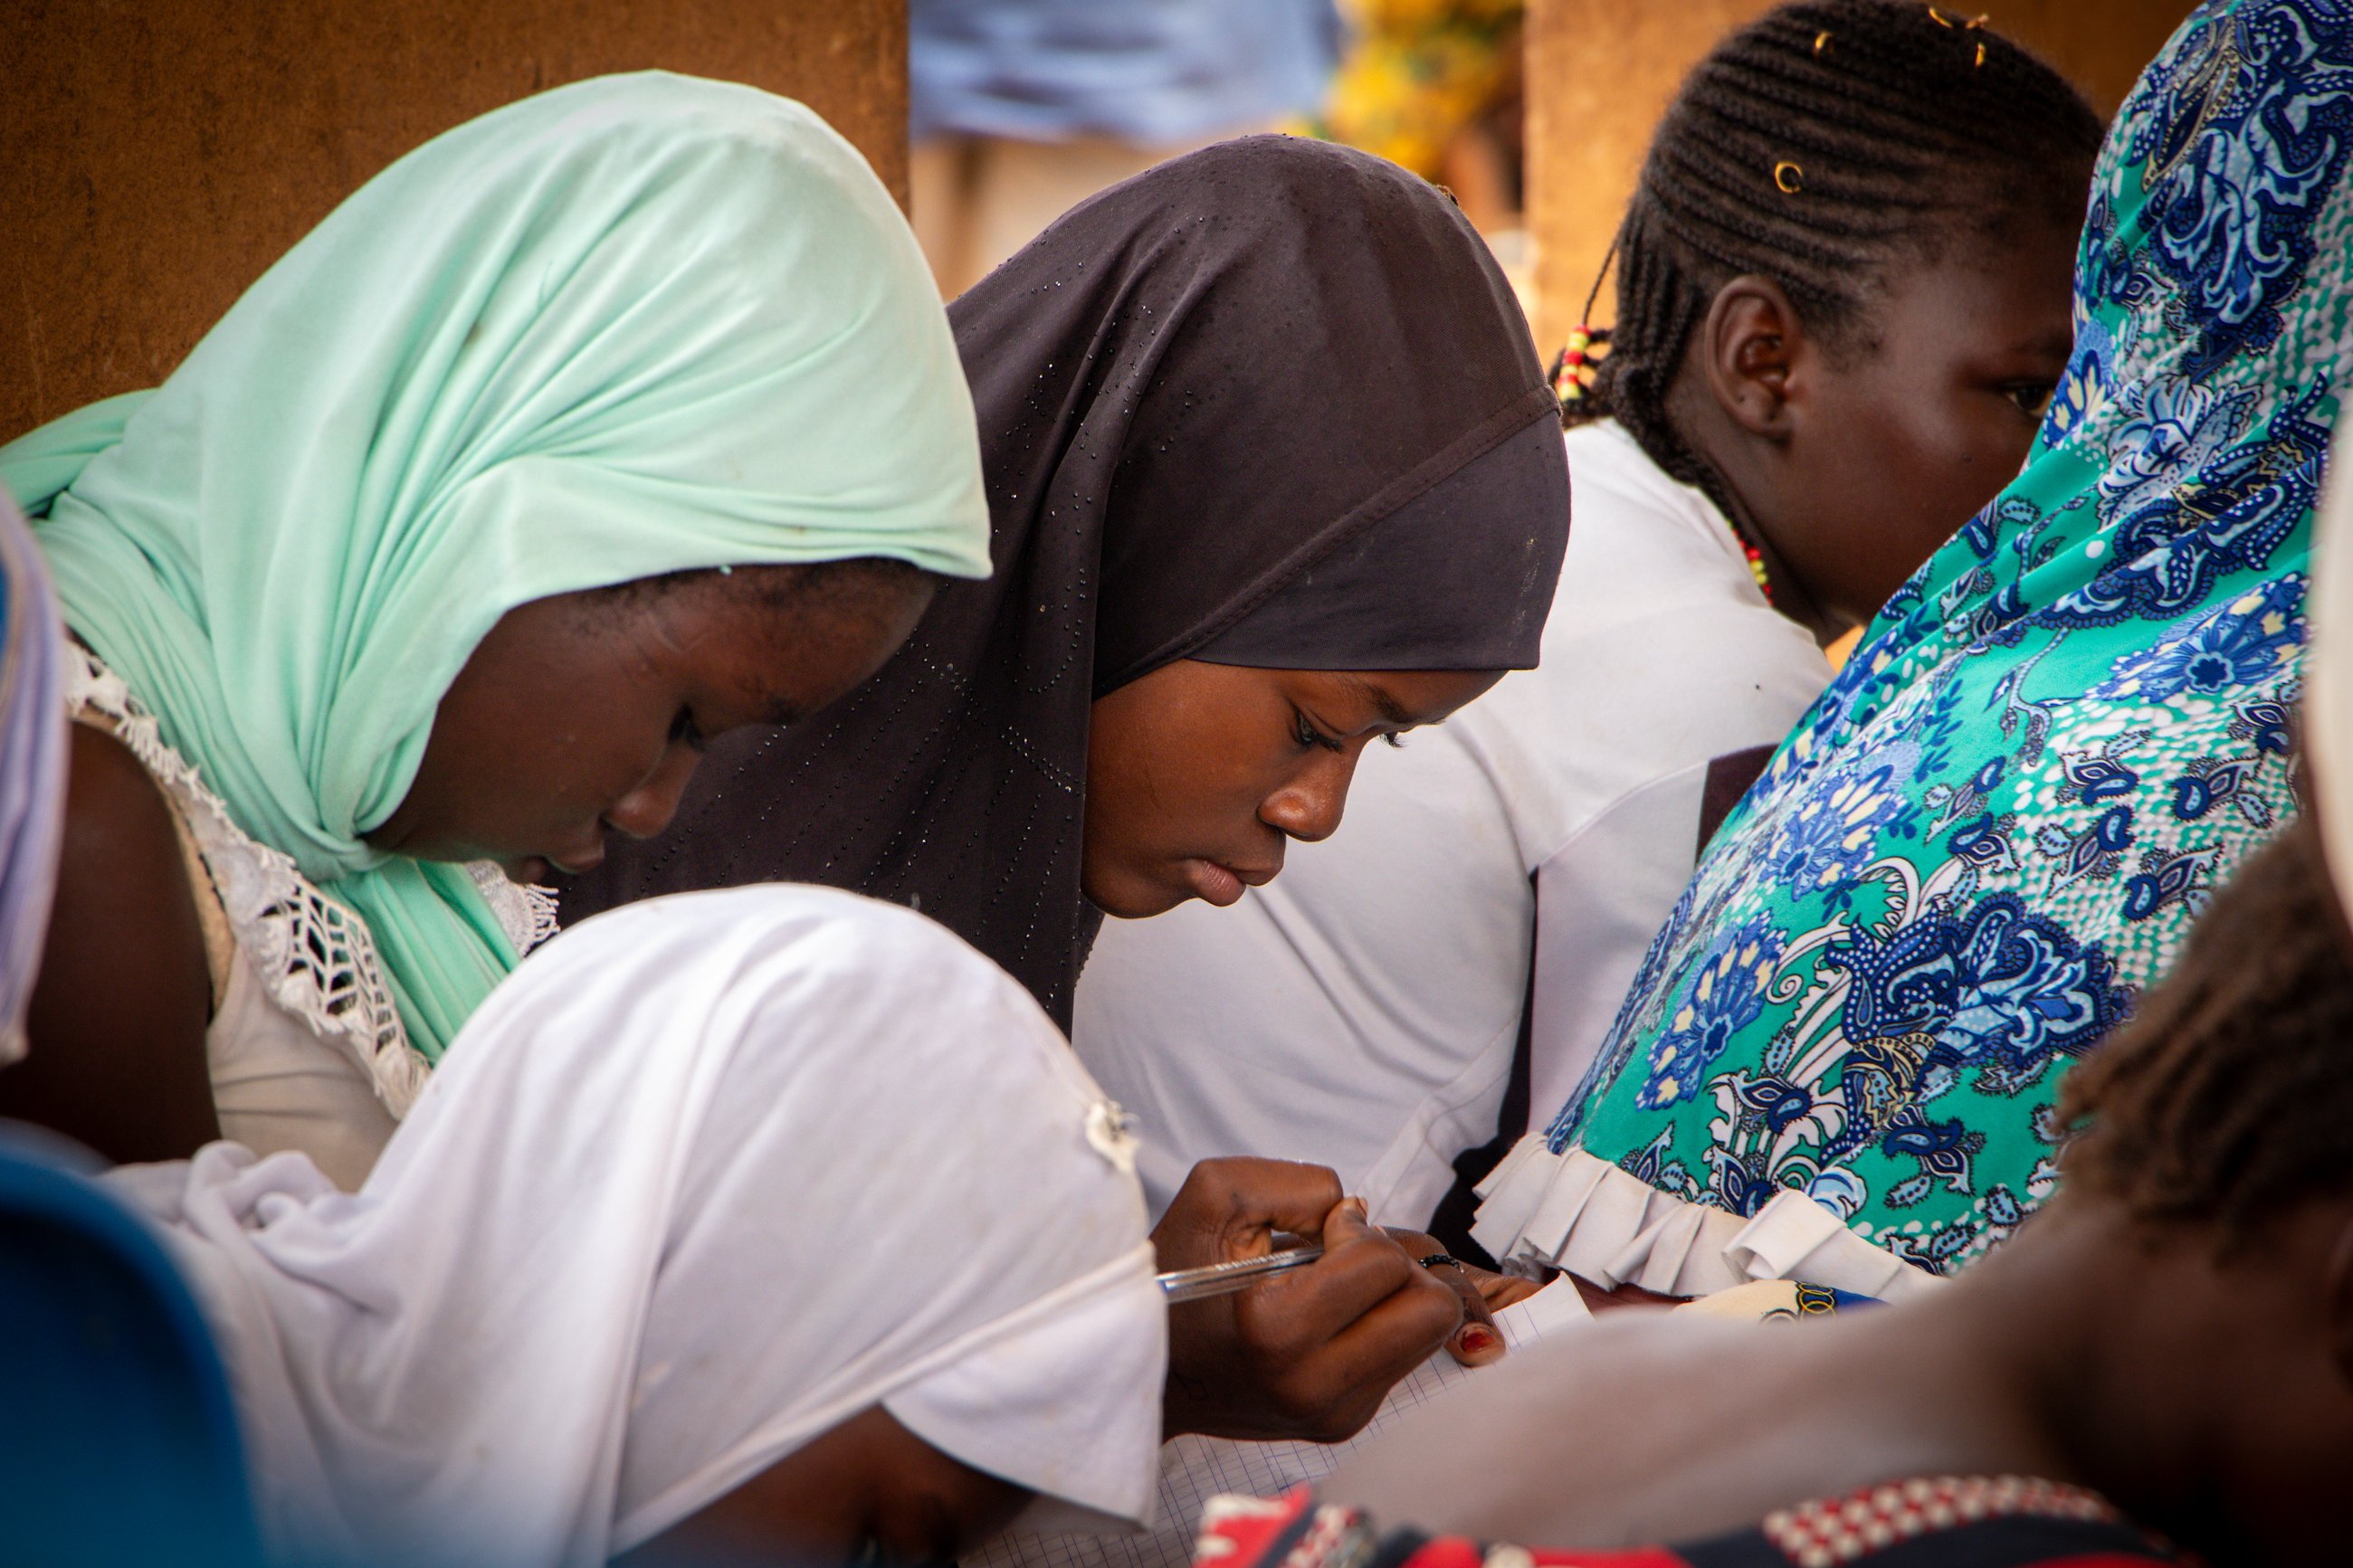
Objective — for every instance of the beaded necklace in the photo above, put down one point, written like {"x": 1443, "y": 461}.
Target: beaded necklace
{"x": 1755, "y": 558}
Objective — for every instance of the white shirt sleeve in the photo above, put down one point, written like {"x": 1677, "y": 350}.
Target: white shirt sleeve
{"x": 1599, "y": 901}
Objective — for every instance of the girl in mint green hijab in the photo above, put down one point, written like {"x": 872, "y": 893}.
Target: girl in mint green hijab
{"x": 635, "y": 327}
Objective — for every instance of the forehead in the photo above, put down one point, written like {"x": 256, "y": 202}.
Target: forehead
{"x": 2013, "y": 289}
{"x": 775, "y": 645}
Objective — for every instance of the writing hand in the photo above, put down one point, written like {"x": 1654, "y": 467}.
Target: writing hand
{"x": 1309, "y": 1353}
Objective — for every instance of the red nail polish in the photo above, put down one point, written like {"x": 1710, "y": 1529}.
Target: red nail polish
{"x": 1477, "y": 1339}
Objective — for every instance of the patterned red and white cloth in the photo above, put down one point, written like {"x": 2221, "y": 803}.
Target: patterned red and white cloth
{"x": 1930, "y": 1521}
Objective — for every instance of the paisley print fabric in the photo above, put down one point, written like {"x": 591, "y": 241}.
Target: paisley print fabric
{"x": 2059, "y": 737}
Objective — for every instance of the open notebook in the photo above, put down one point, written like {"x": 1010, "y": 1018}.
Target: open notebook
{"x": 1195, "y": 1470}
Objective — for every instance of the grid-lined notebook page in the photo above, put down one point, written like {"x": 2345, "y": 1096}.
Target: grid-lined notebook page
{"x": 1195, "y": 1470}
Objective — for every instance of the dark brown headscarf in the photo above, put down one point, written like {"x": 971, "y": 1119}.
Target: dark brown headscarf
{"x": 1270, "y": 403}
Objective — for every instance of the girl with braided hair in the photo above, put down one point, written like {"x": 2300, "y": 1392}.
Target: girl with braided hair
{"x": 1842, "y": 306}
{"x": 1842, "y": 289}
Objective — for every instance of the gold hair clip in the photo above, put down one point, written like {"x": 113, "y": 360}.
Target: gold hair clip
{"x": 1940, "y": 17}
{"x": 1980, "y": 56}
{"x": 1821, "y": 41}
{"x": 1788, "y": 177}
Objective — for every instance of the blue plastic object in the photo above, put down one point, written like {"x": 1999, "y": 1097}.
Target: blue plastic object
{"x": 118, "y": 1441}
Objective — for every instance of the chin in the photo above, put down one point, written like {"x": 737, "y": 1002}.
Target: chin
{"x": 1134, "y": 899}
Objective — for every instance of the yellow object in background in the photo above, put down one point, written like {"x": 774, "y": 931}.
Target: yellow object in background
{"x": 1842, "y": 650}
{"x": 1436, "y": 86}
{"x": 1417, "y": 73}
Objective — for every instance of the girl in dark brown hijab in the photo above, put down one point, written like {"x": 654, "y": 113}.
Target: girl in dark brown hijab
{"x": 1272, "y": 471}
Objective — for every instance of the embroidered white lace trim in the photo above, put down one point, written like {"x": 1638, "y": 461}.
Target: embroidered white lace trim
{"x": 1540, "y": 1210}
{"x": 314, "y": 958}
{"x": 526, "y": 911}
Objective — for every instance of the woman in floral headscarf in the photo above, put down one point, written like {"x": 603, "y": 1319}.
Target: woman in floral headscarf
{"x": 1837, "y": 1062}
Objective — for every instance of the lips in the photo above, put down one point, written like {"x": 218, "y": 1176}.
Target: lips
{"x": 1216, "y": 883}
{"x": 580, "y": 861}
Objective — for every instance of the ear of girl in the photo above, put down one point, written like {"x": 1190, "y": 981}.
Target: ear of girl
{"x": 1850, "y": 451}
{"x": 1271, "y": 406}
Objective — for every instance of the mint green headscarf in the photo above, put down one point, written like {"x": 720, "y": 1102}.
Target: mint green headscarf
{"x": 639, "y": 325}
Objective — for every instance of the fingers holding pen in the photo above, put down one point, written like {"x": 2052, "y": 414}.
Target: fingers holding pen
{"x": 1362, "y": 1272}
{"x": 1308, "y": 1354}
{"x": 1233, "y": 1208}
{"x": 1371, "y": 1312}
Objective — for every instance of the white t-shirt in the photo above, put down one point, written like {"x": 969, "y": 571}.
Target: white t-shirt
{"x": 1363, "y": 1011}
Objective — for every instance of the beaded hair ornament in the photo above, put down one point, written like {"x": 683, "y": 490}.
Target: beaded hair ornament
{"x": 1573, "y": 372}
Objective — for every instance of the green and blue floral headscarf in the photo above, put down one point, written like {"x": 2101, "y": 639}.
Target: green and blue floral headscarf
{"x": 2071, "y": 725}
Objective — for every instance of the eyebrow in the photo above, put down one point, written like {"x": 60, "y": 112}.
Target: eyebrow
{"x": 2058, "y": 340}
{"x": 1384, "y": 702}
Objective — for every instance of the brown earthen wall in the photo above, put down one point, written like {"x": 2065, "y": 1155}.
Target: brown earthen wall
{"x": 157, "y": 155}
{"x": 1600, "y": 73}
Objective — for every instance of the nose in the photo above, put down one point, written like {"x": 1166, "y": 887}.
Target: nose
{"x": 648, "y": 809}
{"x": 1308, "y": 805}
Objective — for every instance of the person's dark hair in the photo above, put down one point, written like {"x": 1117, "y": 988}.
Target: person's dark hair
{"x": 1900, "y": 126}
{"x": 2228, "y": 1096}
{"x": 777, "y": 587}
{"x": 867, "y": 586}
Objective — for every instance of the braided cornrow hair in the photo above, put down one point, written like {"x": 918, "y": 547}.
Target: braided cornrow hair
{"x": 2228, "y": 1096}
{"x": 1818, "y": 146}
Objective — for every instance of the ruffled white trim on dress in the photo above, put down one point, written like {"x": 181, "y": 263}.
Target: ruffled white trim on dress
{"x": 1609, "y": 1227}
{"x": 314, "y": 958}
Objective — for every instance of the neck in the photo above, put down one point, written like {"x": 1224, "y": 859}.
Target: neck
{"x": 1709, "y": 435}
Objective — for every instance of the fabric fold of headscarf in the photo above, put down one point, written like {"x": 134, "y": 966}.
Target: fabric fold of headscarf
{"x": 1192, "y": 390}
{"x": 705, "y": 1179}
{"x": 1392, "y": 597}
{"x": 32, "y": 769}
{"x": 639, "y": 325}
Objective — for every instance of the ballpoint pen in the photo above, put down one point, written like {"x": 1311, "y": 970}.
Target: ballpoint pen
{"x": 1237, "y": 1274}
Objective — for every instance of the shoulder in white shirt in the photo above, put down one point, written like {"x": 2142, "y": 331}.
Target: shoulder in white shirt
{"x": 1364, "y": 1010}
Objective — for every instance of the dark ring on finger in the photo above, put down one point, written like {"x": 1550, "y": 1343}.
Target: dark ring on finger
{"x": 1435, "y": 1259}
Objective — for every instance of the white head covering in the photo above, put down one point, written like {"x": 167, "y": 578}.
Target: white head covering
{"x": 32, "y": 769}
{"x": 706, "y": 1177}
